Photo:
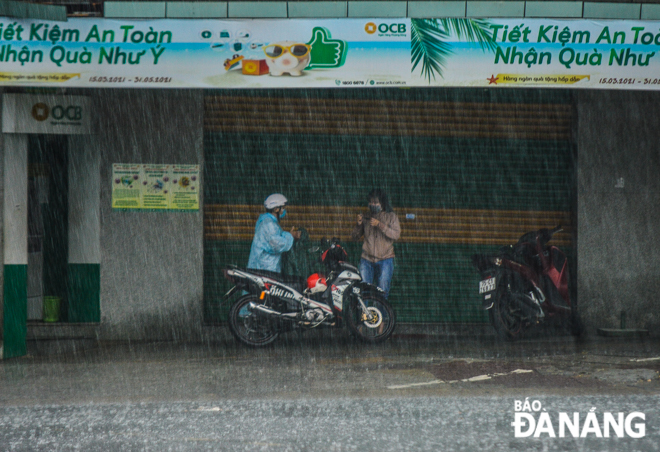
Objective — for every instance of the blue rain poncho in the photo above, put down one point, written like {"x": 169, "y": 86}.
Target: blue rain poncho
{"x": 269, "y": 242}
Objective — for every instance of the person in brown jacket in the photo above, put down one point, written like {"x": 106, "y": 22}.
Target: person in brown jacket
{"x": 380, "y": 229}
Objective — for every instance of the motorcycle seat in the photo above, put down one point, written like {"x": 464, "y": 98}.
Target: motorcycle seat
{"x": 297, "y": 282}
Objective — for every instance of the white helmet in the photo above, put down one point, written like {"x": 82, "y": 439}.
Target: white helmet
{"x": 275, "y": 200}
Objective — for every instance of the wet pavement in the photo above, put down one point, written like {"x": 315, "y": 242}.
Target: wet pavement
{"x": 324, "y": 391}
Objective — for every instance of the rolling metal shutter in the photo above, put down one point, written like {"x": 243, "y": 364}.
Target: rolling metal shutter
{"x": 466, "y": 171}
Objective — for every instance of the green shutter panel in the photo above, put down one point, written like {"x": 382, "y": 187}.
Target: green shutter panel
{"x": 466, "y": 170}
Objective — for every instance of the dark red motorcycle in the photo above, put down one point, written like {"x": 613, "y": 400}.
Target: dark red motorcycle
{"x": 526, "y": 284}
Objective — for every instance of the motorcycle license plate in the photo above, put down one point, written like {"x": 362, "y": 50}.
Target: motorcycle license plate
{"x": 487, "y": 285}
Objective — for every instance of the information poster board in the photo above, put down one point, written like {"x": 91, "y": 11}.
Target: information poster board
{"x": 126, "y": 190}
{"x": 155, "y": 186}
{"x": 185, "y": 187}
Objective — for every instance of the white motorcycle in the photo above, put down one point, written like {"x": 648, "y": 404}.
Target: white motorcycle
{"x": 275, "y": 304}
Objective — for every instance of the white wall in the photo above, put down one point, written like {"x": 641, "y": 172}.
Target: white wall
{"x": 619, "y": 226}
{"x": 84, "y": 200}
{"x": 151, "y": 262}
{"x": 15, "y": 197}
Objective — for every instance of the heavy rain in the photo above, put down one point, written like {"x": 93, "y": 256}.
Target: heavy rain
{"x": 370, "y": 268}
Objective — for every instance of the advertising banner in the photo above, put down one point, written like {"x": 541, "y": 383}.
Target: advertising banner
{"x": 155, "y": 186}
{"x": 324, "y": 53}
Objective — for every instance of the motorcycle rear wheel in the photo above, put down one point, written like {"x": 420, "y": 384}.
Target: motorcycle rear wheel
{"x": 380, "y": 328}
{"x": 248, "y": 327}
{"x": 506, "y": 319}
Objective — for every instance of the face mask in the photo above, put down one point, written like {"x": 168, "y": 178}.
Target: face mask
{"x": 282, "y": 213}
{"x": 374, "y": 208}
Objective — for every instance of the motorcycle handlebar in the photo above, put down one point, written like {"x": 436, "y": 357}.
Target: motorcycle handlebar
{"x": 540, "y": 236}
{"x": 544, "y": 235}
{"x": 551, "y": 233}
{"x": 556, "y": 230}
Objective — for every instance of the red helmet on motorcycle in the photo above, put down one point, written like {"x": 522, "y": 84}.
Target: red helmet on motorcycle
{"x": 334, "y": 254}
{"x": 316, "y": 283}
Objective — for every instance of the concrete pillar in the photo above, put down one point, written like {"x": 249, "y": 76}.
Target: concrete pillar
{"x": 84, "y": 230}
{"x": 15, "y": 230}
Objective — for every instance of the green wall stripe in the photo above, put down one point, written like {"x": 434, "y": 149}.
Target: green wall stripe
{"x": 15, "y": 311}
{"x": 84, "y": 293}
{"x": 416, "y": 172}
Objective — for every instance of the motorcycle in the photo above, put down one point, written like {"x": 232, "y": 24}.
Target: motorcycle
{"x": 527, "y": 284}
{"x": 275, "y": 304}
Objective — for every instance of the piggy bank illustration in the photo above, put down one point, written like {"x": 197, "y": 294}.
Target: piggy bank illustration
{"x": 287, "y": 57}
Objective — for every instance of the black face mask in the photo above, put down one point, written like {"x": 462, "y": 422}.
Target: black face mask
{"x": 374, "y": 209}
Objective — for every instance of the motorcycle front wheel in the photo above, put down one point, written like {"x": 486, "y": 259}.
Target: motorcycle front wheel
{"x": 248, "y": 327}
{"x": 507, "y": 318}
{"x": 379, "y": 328}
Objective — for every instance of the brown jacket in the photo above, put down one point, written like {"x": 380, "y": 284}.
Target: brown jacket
{"x": 378, "y": 241}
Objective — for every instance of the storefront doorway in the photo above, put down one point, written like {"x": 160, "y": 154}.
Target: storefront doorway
{"x": 51, "y": 221}
{"x": 48, "y": 208}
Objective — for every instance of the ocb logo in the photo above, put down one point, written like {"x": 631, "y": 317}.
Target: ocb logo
{"x": 371, "y": 28}
{"x": 40, "y": 111}
{"x": 72, "y": 112}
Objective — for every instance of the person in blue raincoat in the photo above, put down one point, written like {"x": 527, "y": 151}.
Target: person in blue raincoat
{"x": 270, "y": 240}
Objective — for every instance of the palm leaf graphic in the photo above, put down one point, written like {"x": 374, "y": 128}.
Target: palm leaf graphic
{"x": 429, "y": 46}
{"x": 474, "y": 30}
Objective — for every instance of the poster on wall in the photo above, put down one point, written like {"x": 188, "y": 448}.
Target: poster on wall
{"x": 324, "y": 53}
{"x": 185, "y": 187}
{"x": 155, "y": 186}
{"x": 126, "y": 190}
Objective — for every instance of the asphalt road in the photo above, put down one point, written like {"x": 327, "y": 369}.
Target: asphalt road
{"x": 342, "y": 424}
{"x": 330, "y": 393}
